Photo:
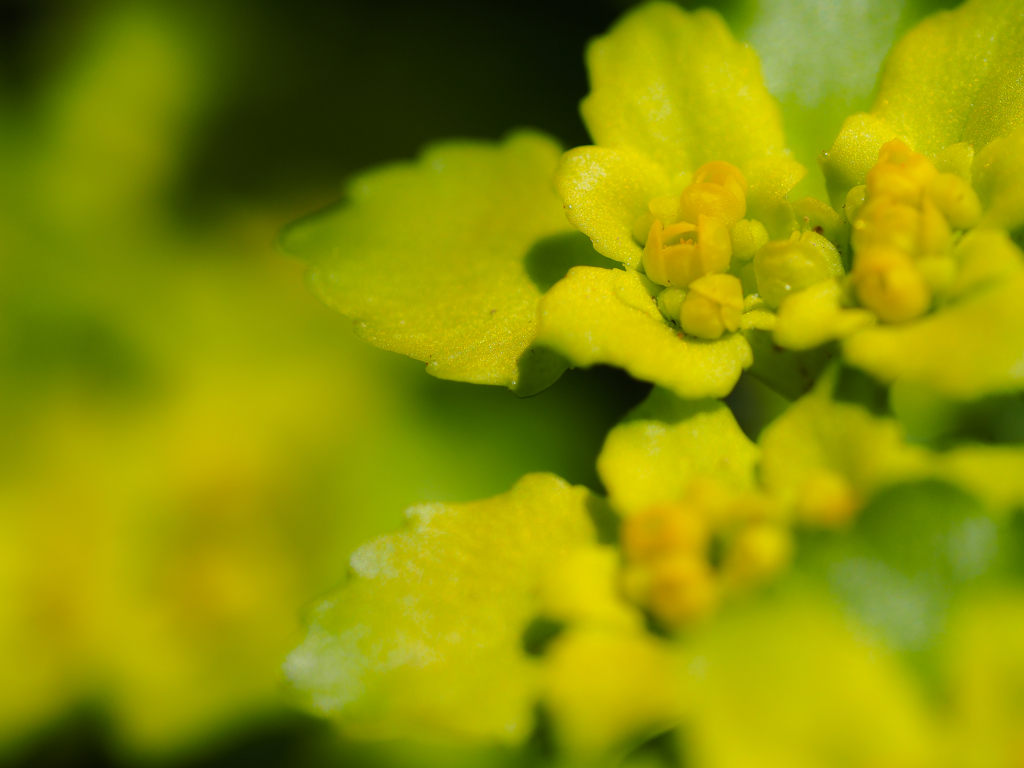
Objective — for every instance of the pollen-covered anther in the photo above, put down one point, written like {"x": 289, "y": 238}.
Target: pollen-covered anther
{"x": 889, "y": 284}
{"x": 713, "y": 305}
{"x": 719, "y": 189}
{"x": 678, "y": 254}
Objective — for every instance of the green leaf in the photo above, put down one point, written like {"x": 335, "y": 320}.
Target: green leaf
{"x": 913, "y": 549}
{"x": 664, "y": 443}
{"x": 788, "y": 681}
{"x": 678, "y": 88}
{"x": 429, "y": 258}
{"x": 111, "y": 134}
{"x": 955, "y": 77}
{"x": 963, "y": 351}
{"x": 427, "y": 636}
{"x": 607, "y": 316}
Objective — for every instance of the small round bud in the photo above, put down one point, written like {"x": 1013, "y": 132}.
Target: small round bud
{"x": 670, "y": 302}
{"x": 748, "y": 237}
{"x": 912, "y": 165}
{"x": 758, "y": 552}
{"x": 713, "y": 305}
{"x": 854, "y": 200}
{"x": 827, "y": 499}
{"x": 642, "y": 227}
{"x": 889, "y": 284}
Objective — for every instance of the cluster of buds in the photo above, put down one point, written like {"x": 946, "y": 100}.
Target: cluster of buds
{"x": 904, "y": 221}
{"x": 689, "y": 243}
{"x": 682, "y": 558}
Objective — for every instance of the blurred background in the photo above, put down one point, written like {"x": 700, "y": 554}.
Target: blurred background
{"x": 190, "y": 444}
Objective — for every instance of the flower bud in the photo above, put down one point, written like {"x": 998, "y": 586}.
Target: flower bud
{"x": 785, "y": 266}
{"x": 664, "y": 530}
{"x": 713, "y": 305}
{"x": 682, "y": 590}
{"x": 664, "y": 209}
{"x": 670, "y": 303}
{"x": 758, "y": 552}
{"x": 726, "y": 174}
{"x": 881, "y": 222}
{"x": 890, "y": 285}
{"x": 748, "y": 236}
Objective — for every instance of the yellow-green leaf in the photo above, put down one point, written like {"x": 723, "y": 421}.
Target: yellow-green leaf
{"x": 966, "y": 350}
{"x": 678, "y": 87}
{"x": 819, "y": 440}
{"x": 608, "y": 683}
{"x": 429, "y": 258}
{"x": 607, "y": 316}
{"x": 998, "y": 176}
{"x": 427, "y": 635}
{"x": 608, "y": 690}
{"x": 605, "y": 191}
{"x": 791, "y": 682}
{"x": 664, "y": 443}
{"x": 957, "y": 76}
{"x": 985, "y": 669}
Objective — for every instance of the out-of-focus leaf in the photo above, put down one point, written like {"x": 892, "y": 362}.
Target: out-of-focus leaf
{"x": 984, "y": 664}
{"x": 818, "y": 437}
{"x": 607, "y": 316}
{"x": 664, "y": 443}
{"x": 998, "y": 176}
{"x": 788, "y": 681}
{"x": 966, "y": 350}
{"x": 428, "y": 634}
{"x": 608, "y": 691}
{"x": 955, "y": 77}
{"x": 608, "y": 684}
{"x": 429, "y": 258}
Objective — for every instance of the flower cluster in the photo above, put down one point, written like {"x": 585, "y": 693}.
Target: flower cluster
{"x": 681, "y": 259}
